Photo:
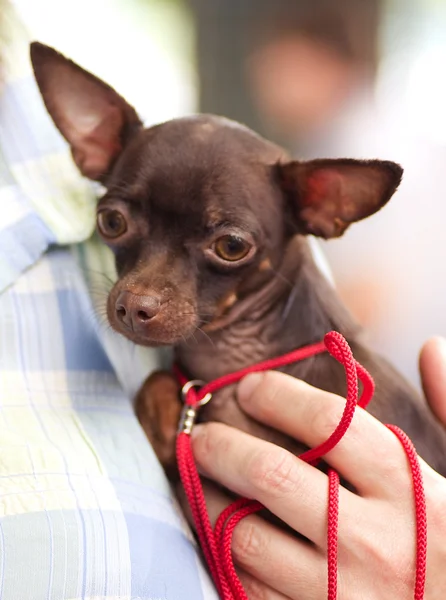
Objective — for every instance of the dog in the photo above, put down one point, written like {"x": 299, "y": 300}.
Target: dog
{"x": 209, "y": 225}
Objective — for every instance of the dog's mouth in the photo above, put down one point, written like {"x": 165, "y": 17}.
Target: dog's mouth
{"x": 157, "y": 333}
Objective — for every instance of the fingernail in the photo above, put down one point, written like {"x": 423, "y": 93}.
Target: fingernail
{"x": 248, "y": 385}
{"x": 198, "y": 434}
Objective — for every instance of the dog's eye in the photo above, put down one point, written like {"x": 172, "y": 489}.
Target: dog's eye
{"x": 111, "y": 223}
{"x": 231, "y": 248}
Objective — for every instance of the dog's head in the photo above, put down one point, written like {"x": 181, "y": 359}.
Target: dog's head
{"x": 198, "y": 211}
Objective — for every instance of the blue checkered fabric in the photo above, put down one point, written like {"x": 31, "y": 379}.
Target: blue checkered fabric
{"x": 85, "y": 509}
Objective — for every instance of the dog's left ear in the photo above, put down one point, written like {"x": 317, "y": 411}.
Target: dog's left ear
{"x": 326, "y": 196}
{"x": 94, "y": 119}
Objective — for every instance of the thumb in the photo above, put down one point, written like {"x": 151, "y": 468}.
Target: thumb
{"x": 433, "y": 376}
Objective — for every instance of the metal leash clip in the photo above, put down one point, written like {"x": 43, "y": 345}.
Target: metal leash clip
{"x": 189, "y": 412}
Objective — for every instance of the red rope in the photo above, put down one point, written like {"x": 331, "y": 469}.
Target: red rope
{"x": 216, "y": 543}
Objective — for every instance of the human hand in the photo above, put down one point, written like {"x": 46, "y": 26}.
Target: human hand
{"x": 433, "y": 376}
{"x": 376, "y": 554}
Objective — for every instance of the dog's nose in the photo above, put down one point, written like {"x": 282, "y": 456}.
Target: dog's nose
{"x": 136, "y": 311}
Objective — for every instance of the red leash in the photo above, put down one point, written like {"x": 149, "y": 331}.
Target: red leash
{"x": 216, "y": 543}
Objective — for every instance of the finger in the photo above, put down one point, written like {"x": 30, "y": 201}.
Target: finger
{"x": 281, "y": 561}
{"x": 367, "y": 456}
{"x": 433, "y": 376}
{"x": 270, "y": 556}
{"x": 292, "y": 490}
{"x": 257, "y": 590}
{"x": 216, "y": 502}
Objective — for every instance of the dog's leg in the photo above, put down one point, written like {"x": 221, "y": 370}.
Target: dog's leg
{"x": 158, "y": 408}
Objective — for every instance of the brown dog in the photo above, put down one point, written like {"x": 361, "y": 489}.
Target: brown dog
{"x": 208, "y": 222}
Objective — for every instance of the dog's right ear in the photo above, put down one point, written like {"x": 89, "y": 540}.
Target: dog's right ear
{"x": 92, "y": 117}
{"x": 328, "y": 195}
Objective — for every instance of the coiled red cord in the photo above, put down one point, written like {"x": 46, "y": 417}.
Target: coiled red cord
{"x": 216, "y": 543}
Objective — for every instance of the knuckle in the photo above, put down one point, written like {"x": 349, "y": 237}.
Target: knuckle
{"x": 248, "y": 544}
{"x": 390, "y": 554}
{"x": 273, "y": 471}
{"x": 275, "y": 387}
{"x": 270, "y": 393}
{"x": 325, "y": 421}
{"x": 265, "y": 395}
{"x": 435, "y": 492}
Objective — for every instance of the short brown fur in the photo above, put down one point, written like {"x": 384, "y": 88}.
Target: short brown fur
{"x": 180, "y": 186}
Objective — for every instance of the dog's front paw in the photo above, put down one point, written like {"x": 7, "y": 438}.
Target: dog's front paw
{"x": 158, "y": 408}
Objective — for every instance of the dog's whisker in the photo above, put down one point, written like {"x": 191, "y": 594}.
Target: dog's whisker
{"x": 104, "y": 323}
{"x": 100, "y": 309}
{"x": 99, "y": 298}
{"x": 206, "y": 336}
{"x": 282, "y": 277}
{"x": 100, "y": 274}
{"x": 185, "y": 340}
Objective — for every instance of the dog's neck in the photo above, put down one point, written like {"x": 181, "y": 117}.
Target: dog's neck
{"x": 296, "y": 307}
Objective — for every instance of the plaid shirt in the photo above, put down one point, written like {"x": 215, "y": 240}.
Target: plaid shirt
{"x": 85, "y": 510}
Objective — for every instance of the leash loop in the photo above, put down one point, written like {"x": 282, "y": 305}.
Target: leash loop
{"x": 191, "y": 405}
{"x": 191, "y": 384}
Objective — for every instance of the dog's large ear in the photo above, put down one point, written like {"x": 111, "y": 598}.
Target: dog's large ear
{"x": 326, "y": 196}
{"x": 91, "y": 116}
